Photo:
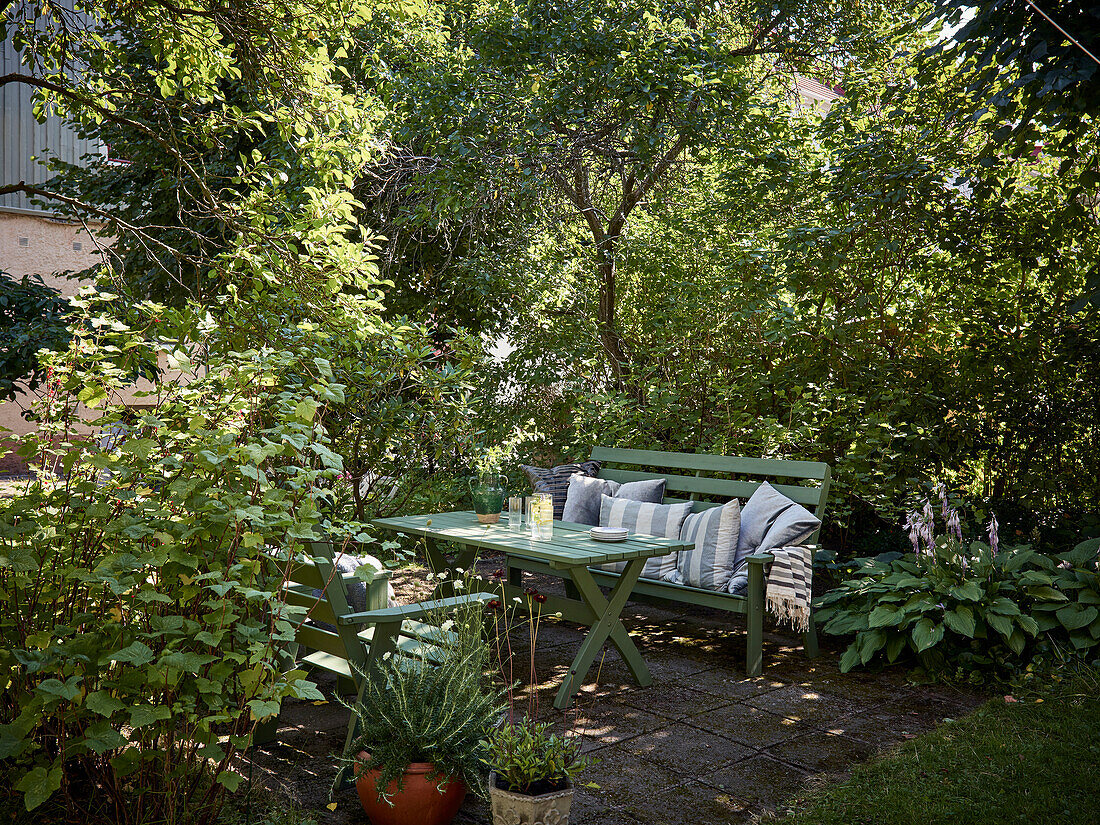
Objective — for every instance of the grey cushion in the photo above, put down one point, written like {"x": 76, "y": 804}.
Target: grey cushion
{"x": 582, "y": 503}
{"x": 769, "y": 520}
{"x": 714, "y": 533}
{"x": 555, "y": 480}
{"x": 647, "y": 519}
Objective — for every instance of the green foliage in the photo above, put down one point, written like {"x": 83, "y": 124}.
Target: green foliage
{"x": 32, "y": 317}
{"x": 966, "y": 612}
{"x": 529, "y": 758}
{"x": 435, "y": 706}
{"x": 138, "y": 648}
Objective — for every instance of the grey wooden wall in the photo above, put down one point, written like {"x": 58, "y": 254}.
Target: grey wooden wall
{"x": 24, "y": 141}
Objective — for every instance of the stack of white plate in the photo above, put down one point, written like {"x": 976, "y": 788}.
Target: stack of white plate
{"x": 608, "y": 533}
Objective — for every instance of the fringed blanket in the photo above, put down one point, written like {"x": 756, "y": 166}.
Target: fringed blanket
{"x": 789, "y": 585}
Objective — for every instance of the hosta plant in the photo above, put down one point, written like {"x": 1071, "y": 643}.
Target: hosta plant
{"x": 962, "y": 609}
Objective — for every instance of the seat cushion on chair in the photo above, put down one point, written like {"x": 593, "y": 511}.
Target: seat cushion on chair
{"x": 769, "y": 520}
{"x": 714, "y": 532}
{"x": 555, "y": 480}
{"x": 582, "y": 503}
{"x": 648, "y": 519}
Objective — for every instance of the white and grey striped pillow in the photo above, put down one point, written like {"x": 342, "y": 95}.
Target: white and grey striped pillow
{"x": 710, "y": 562}
{"x": 646, "y": 519}
{"x": 555, "y": 480}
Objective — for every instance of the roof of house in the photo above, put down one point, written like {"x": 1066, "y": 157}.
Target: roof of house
{"x": 808, "y": 87}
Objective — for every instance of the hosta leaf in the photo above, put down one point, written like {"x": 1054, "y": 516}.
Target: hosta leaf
{"x": 850, "y": 658}
{"x": 926, "y": 634}
{"x": 1006, "y": 607}
{"x": 1028, "y": 624}
{"x": 1046, "y": 593}
{"x": 885, "y": 616}
{"x": 894, "y": 647}
{"x": 960, "y": 620}
{"x": 1016, "y": 641}
{"x": 1002, "y": 624}
{"x": 1074, "y": 616}
{"x": 968, "y": 592}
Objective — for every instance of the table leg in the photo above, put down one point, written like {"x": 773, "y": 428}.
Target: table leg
{"x": 607, "y": 625}
{"x": 437, "y": 562}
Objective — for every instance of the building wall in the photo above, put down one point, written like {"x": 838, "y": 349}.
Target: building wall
{"x": 38, "y": 245}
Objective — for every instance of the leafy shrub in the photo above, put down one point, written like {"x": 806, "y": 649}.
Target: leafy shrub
{"x": 138, "y": 649}
{"x": 965, "y": 611}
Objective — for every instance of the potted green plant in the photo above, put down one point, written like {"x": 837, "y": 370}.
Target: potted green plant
{"x": 531, "y": 773}
{"x": 422, "y": 723}
{"x": 532, "y": 768}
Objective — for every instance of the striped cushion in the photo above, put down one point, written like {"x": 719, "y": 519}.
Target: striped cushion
{"x": 555, "y": 481}
{"x": 647, "y": 519}
{"x": 714, "y": 533}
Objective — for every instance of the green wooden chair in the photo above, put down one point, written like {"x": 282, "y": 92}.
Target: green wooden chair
{"x": 333, "y": 638}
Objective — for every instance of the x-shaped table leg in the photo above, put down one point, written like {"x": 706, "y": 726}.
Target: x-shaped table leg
{"x": 437, "y": 562}
{"x": 607, "y": 625}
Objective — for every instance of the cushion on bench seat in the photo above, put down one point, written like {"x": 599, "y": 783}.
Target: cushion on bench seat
{"x": 555, "y": 480}
{"x": 769, "y": 520}
{"x": 648, "y": 519}
{"x": 714, "y": 532}
{"x": 582, "y": 503}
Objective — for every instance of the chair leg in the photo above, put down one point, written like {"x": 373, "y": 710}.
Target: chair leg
{"x": 754, "y": 619}
{"x": 265, "y": 732}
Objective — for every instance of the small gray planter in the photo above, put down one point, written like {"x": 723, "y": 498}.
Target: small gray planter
{"x": 510, "y": 808}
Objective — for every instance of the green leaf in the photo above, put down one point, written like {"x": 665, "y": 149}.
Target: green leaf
{"x": 850, "y": 658}
{"x": 1002, "y": 624}
{"x": 885, "y": 616}
{"x": 1016, "y": 642}
{"x": 894, "y": 647}
{"x": 961, "y": 621}
{"x": 101, "y": 737}
{"x": 1074, "y": 617}
{"x": 968, "y": 592}
{"x": 926, "y": 634}
{"x": 143, "y": 715}
{"x": 231, "y": 781}
{"x": 1046, "y": 593}
{"x": 305, "y": 410}
{"x": 103, "y": 703}
{"x": 136, "y": 654}
{"x": 38, "y": 785}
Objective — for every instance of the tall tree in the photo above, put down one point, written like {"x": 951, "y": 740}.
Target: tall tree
{"x": 594, "y": 105}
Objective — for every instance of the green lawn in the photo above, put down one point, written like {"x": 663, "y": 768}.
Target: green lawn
{"x": 1031, "y": 761}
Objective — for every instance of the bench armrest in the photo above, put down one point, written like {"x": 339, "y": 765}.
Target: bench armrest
{"x": 413, "y": 611}
{"x": 760, "y": 558}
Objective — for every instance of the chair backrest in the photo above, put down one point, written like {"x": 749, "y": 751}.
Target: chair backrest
{"x": 315, "y": 583}
{"x": 719, "y": 476}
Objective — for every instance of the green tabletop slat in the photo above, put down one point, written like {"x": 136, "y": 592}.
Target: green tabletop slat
{"x": 570, "y": 545}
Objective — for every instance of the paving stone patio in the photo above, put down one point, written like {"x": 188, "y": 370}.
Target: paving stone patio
{"x": 703, "y": 744}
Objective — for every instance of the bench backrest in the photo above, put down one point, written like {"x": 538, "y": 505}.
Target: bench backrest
{"x": 719, "y": 476}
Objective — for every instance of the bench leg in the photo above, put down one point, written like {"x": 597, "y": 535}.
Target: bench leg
{"x": 754, "y": 619}
{"x": 515, "y": 574}
{"x": 809, "y": 639}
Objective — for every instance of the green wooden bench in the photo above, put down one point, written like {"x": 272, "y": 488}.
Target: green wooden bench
{"x": 709, "y": 481}
{"x": 348, "y": 643}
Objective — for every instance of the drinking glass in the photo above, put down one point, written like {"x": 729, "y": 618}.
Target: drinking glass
{"x": 515, "y": 513}
{"x": 540, "y": 512}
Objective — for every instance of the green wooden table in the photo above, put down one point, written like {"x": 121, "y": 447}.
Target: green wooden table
{"x": 569, "y": 553}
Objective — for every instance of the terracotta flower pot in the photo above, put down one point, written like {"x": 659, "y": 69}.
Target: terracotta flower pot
{"x": 511, "y": 808}
{"x": 418, "y": 803}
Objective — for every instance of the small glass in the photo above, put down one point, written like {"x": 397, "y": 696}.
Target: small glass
{"x": 515, "y": 513}
{"x": 540, "y": 515}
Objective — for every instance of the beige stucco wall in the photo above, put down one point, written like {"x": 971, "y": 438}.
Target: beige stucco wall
{"x": 38, "y": 245}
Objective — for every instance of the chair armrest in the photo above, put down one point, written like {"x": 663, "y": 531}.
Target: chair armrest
{"x": 760, "y": 558}
{"x": 413, "y": 611}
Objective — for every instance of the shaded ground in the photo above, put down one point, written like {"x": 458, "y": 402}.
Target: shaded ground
{"x": 703, "y": 744}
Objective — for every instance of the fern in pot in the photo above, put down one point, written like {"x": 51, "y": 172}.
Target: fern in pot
{"x": 422, "y": 722}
